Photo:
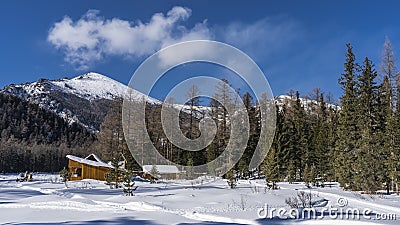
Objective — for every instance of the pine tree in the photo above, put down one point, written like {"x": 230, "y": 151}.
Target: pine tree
{"x": 280, "y": 143}
{"x": 320, "y": 139}
{"x": 367, "y": 161}
{"x": 128, "y": 183}
{"x": 348, "y": 131}
{"x": 386, "y": 133}
{"x": 254, "y": 132}
{"x": 332, "y": 137}
{"x": 283, "y": 141}
{"x": 389, "y": 100}
{"x": 271, "y": 169}
{"x": 297, "y": 130}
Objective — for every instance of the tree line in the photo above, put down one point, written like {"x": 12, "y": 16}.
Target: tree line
{"x": 356, "y": 142}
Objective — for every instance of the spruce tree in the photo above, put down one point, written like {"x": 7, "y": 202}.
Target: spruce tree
{"x": 254, "y": 132}
{"x": 390, "y": 114}
{"x": 385, "y": 133}
{"x": 271, "y": 169}
{"x": 280, "y": 143}
{"x": 348, "y": 132}
{"x": 299, "y": 147}
{"x": 128, "y": 183}
{"x": 366, "y": 155}
{"x": 320, "y": 139}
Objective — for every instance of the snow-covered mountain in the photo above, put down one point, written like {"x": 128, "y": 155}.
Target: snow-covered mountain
{"x": 308, "y": 104}
{"x": 90, "y": 86}
{"x": 84, "y": 99}
{"x": 96, "y": 86}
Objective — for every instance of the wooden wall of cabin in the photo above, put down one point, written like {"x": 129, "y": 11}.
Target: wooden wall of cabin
{"x": 94, "y": 172}
{"x": 87, "y": 171}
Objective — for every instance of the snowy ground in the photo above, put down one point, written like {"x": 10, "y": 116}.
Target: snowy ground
{"x": 48, "y": 201}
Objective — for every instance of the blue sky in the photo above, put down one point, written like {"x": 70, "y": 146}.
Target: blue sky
{"x": 298, "y": 44}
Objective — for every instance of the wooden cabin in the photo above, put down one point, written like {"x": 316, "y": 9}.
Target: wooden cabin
{"x": 91, "y": 167}
{"x": 164, "y": 171}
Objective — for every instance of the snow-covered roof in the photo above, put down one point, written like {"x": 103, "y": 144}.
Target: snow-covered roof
{"x": 162, "y": 169}
{"x": 91, "y": 159}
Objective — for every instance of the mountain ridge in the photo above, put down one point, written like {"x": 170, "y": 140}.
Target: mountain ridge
{"x": 81, "y": 99}
{"x": 86, "y": 99}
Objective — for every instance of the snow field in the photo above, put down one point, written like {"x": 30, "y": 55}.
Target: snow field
{"x": 47, "y": 200}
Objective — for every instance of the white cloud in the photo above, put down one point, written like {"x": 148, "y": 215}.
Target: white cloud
{"x": 92, "y": 37}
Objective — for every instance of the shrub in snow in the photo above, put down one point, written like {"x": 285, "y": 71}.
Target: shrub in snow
{"x": 301, "y": 200}
{"x": 242, "y": 203}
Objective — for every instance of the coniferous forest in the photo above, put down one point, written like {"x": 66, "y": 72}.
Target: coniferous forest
{"x": 355, "y": 141}
{"x": 34, "y": 139}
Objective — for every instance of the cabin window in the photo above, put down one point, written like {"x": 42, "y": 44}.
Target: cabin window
{"x": 77, "y": 172}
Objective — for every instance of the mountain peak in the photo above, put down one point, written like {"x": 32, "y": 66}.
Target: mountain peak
{"x": 92, "y": 86}
{"x": 92, "y": 75}
{"x": 67, "y": 96}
